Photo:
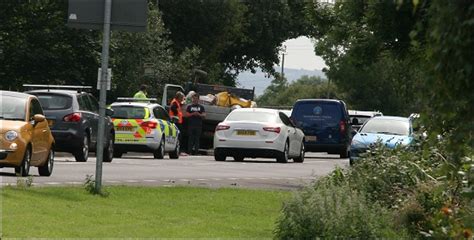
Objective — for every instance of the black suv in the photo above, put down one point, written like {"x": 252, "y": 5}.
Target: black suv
{"x": 326, "y": 125}
{"x": 73, "y": 117}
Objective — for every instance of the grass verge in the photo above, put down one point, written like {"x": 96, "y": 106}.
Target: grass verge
{"x": 139, "y": 212}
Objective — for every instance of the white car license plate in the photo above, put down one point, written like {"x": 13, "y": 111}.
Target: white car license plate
{"x": 246, "y": 133}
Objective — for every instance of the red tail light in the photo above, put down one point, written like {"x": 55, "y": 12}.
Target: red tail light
{"x": 149, "y": 124}
{"x": 342, "y": 127}
{"x": 272, "y": 129}
{"x": 73, "y": 117}
{"x": 222, "y": 127}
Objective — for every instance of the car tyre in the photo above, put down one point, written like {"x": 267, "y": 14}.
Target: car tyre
{"x": 109, "y": 150}
{"x": 47, "y": 169}
{"x": 238, "y": 158}
{"x": 219, "y": 156}
{"x": 24, "y": 169}
{"x": 175, "y": 153}
{"x": 117, "y": 154}
{"x": 344, "y": 153}
{"x": 300, "y": 158}
{"x": 160, "y": 152}
{"x": 83, "y": 154}
{"x": 283, "y": 156}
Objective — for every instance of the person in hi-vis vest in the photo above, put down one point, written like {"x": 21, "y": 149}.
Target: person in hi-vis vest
{"x": 175, "y": 110}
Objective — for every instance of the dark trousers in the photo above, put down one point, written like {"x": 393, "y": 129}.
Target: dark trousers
{"x": 193, "y": 139}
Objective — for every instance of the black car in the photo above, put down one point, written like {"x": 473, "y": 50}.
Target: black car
{"x": 326, "y": 125}
{"x": 73, "y": 117}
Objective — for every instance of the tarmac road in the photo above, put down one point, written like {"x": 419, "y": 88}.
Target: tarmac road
{"x": 142, "y": 169}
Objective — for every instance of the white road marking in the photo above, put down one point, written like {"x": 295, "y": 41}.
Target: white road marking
{"x": 216, "y": 179}
{"x": 52, "y": 183}
{"x": 110, "y": 181}
{"x": 201, "y": 179}
{"x": 233, "y": 178}
{"x": 184, "y": 180}
{"x": 264, "y": 178}
{"x": 131, "y": 181}
{"x": 151, "y": 180}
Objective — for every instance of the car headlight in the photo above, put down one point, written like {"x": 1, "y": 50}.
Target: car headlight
{"x": 11, "y": 135}
{"x": 357, "y": 144}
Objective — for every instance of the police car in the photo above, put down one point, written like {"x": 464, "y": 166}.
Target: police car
{"x": 141, "y": 125}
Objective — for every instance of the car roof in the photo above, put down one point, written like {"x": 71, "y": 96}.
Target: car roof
{"x": 363, "y": 113}
{"x": 319, "y": 100}
{"x": 262, "y": 110}
{"x": 397, "y": 118}
{"x": 65, "y": 92}
{"x": 15, "y": 94}
{"x": 137, "y": 104}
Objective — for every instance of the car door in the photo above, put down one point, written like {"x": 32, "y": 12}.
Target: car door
{"x": 94, "y": 109}
{"x": 167, "y": 126}
{"x": 294, "y": 145}
{"x": 39, "y": 139}
{"x": 91, "y": 118}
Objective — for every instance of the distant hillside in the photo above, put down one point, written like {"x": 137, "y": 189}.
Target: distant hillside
{"x": 260, "y": 82}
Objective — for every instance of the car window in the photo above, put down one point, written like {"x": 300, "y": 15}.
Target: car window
{"x": 93, "y": 104}
{"x": 129, "y": 112}
{"x": 386, "y": 126}
{"x": 252, "y": 116}
{"x": 12, "y": 108}
{"x": 84, "y": 104}
{"x": 54, "y": 101}
{"x": 35, "y": 108}
{"x": 319, "y": 114}
{"x": 160, "y": 113}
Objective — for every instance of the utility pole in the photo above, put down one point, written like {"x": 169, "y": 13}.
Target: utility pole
{"x": 283, "y": 53}
{"x": 103, "y": 95}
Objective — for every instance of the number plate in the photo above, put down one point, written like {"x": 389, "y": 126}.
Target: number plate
{"x": 311, "y": 138}
{"x": 246, "y": 132}
{"x": 124, "y": 128}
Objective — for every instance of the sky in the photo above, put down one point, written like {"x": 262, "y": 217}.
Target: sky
{"x": 300, "y": 55}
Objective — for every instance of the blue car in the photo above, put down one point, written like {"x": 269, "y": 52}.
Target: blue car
{"x": 390, "y": 131}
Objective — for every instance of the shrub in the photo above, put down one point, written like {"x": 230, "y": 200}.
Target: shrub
{"x": 332, "y": 210}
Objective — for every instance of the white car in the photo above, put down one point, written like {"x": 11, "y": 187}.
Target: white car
{"x": 258, "y": 132}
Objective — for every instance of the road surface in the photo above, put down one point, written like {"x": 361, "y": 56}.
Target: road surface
{"x": 142, "y": 169}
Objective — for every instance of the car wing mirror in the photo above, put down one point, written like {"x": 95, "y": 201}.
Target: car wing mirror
{"x": 39, "y": 118}
{"x": 109, "y": 112}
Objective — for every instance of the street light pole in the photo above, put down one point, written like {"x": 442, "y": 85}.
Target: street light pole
{"x": 283, "y": 62}
{"x": 103, "y": 95}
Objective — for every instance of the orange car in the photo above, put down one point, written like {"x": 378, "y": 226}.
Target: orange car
{"x": 25, "y": 138}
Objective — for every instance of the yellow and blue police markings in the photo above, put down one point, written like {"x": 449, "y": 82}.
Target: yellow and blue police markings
{"x": 131, "y": 131}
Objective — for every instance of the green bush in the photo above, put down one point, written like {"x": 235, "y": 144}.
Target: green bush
{"x": 331, "y": 210}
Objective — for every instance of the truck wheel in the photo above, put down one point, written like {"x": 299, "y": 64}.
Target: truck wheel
{"x": 47, "y": 168}
{"x": 24, "y": 169}
{"x": 175, "y": 153}
{"x": 238, "y": 158}
{"x": 83, "y": 154}
{"x": 160, "y": 152}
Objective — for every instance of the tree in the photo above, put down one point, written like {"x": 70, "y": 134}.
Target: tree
{"x": 233, "y": 35}
{"x": 37, "y": 47}
{"x": 280, "y": 93}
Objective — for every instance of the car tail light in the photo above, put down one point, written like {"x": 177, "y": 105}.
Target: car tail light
{"x": 149, "y": 124}
{"x": 73, "y": 117}
{"x": 342, "y": 127}
{"x": 222, "y": 127}
{"x": 272, "y": 129}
